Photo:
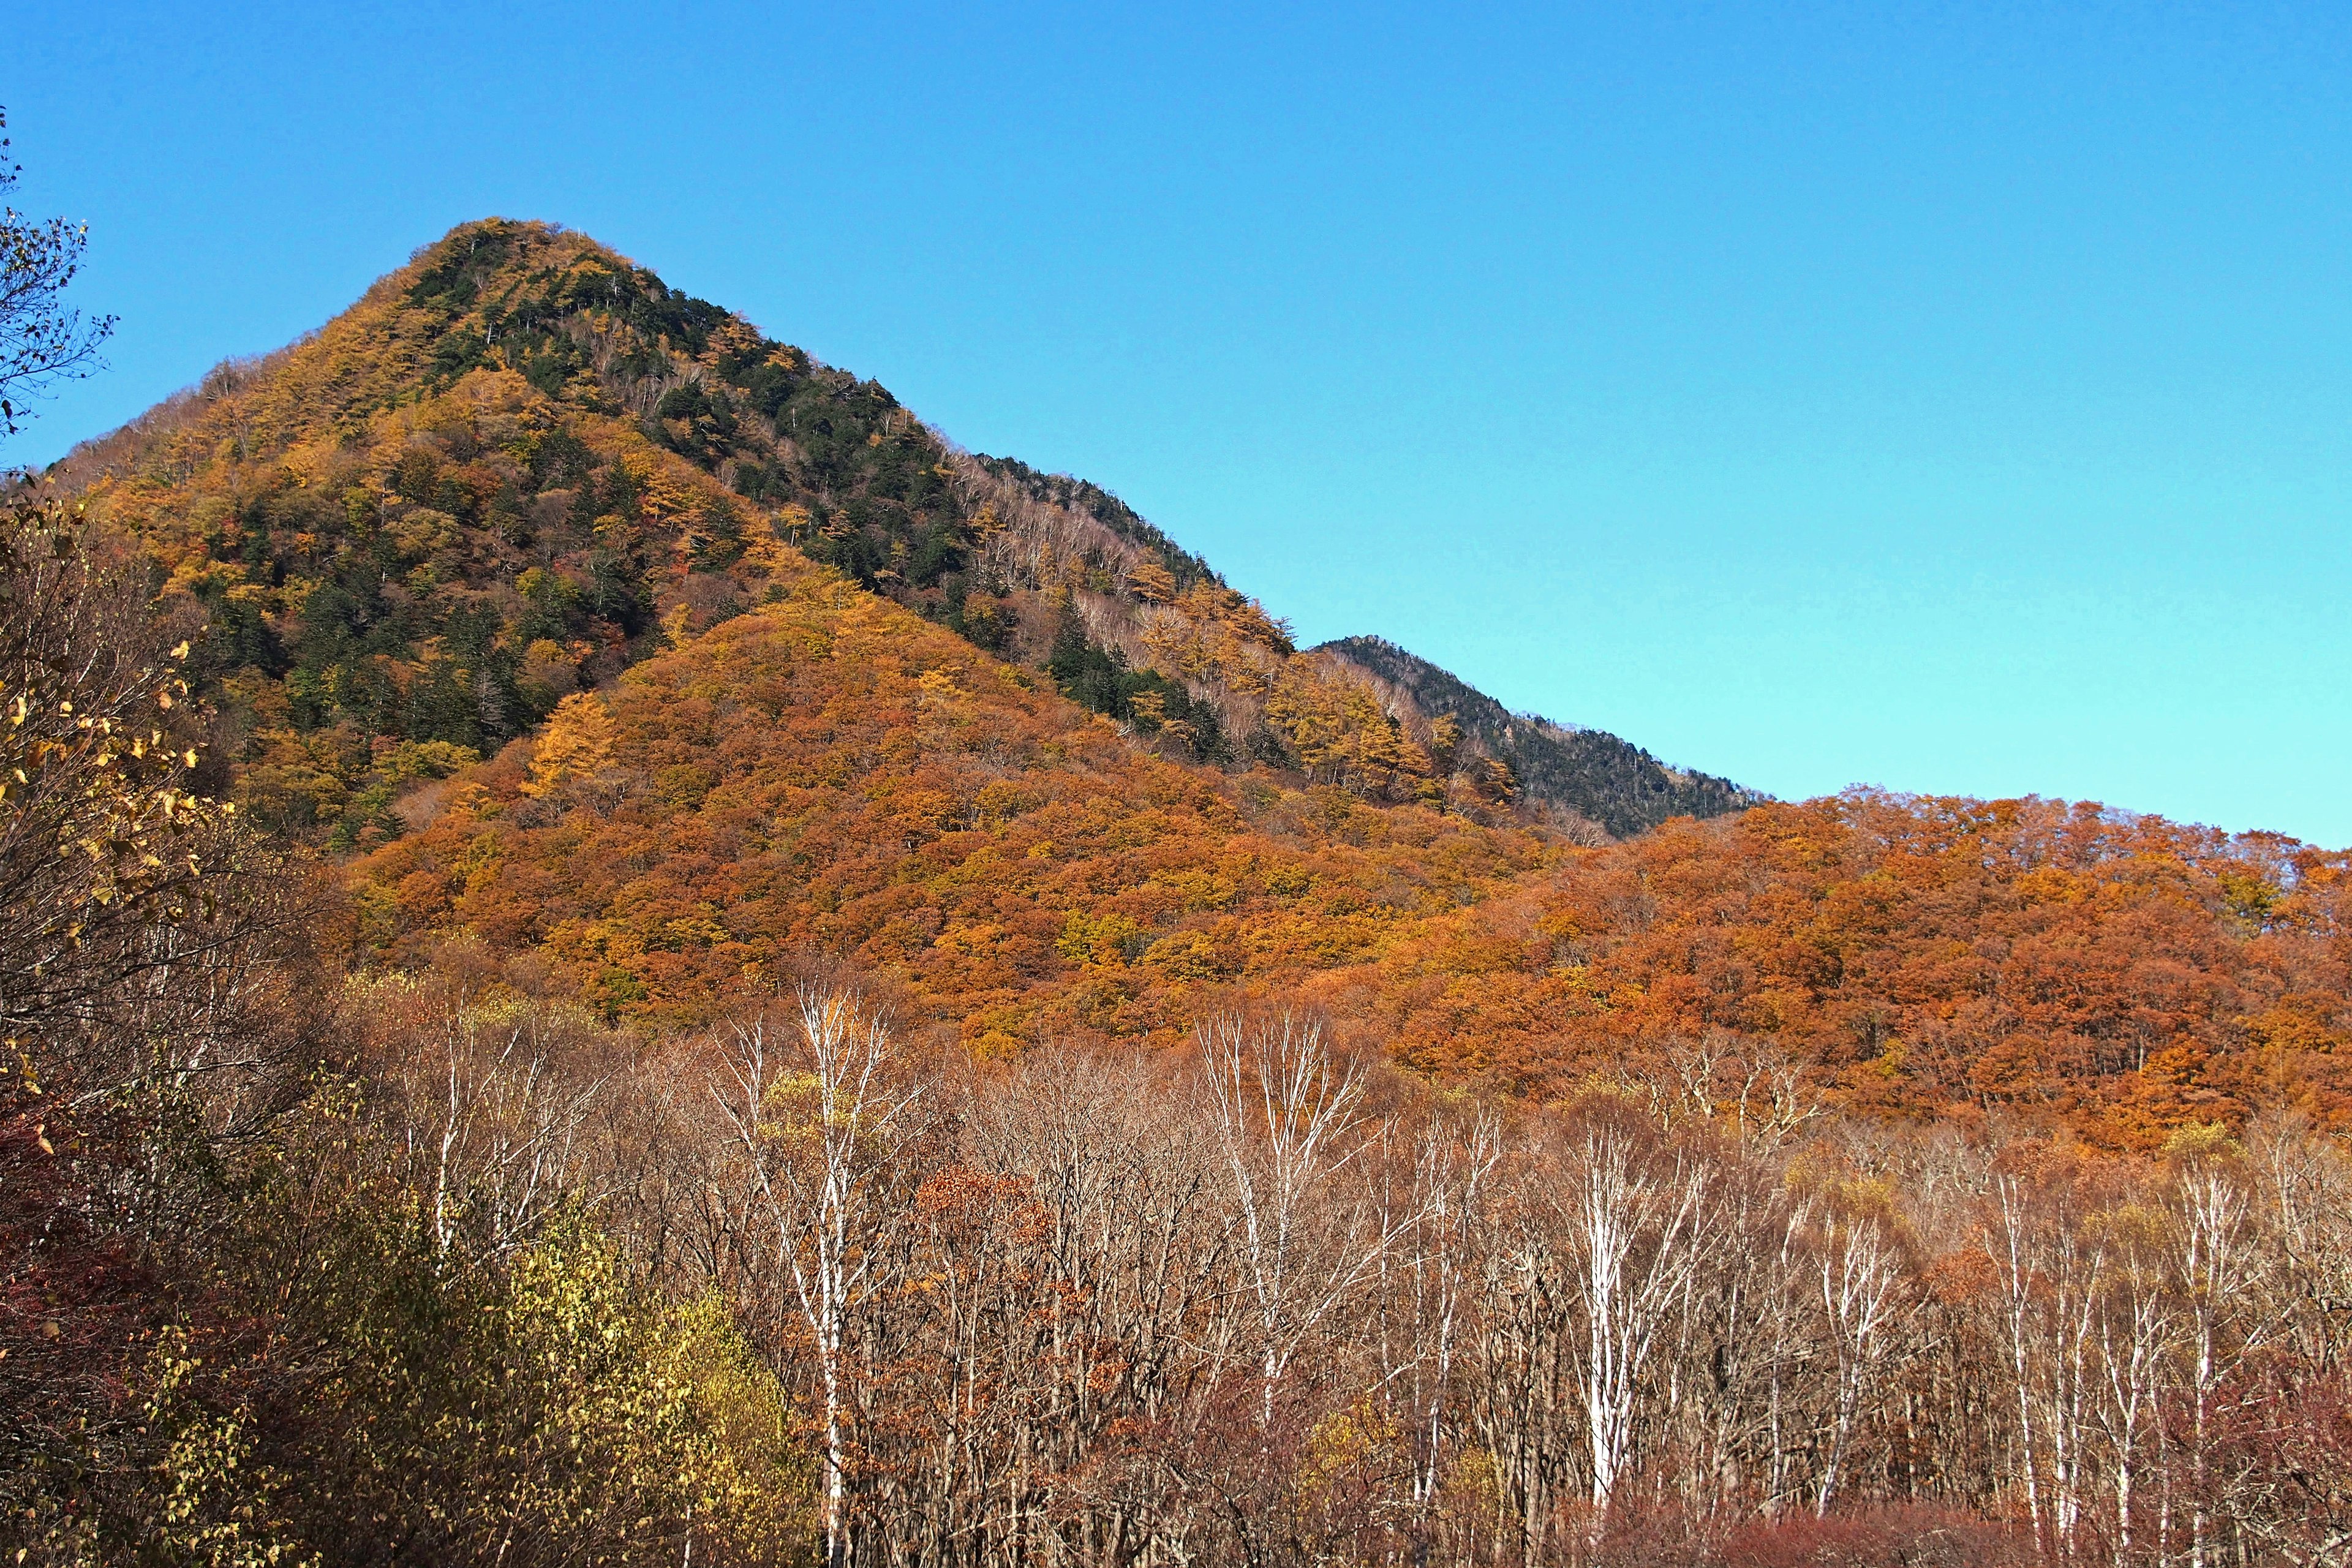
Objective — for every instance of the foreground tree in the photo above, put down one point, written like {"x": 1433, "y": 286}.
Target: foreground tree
{"x": 151, "y": 1029}
{"x": 41, "y": 341}
{"x": 1290, "y": 1119}
{"x": 823, "y": 1115}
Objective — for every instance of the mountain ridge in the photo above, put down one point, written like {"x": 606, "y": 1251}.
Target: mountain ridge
{"x": 1612, "y": 781}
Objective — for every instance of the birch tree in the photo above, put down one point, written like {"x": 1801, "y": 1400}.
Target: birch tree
{"x": 1634, "y": 1207}
{"x": 2136, "y": 1330}
{"x": 1860, "y": 1270}
{"x": 1291, "y": 1125}
{"x": 2053, "y": 1266}
{"x": 1451, "y": 1172}
{"x": 823, "y": 1116}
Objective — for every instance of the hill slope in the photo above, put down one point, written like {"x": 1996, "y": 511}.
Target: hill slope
{"x": 828, "y": 773}
{"x": 2028, "y": 959}
{"x": 413, "y": 534}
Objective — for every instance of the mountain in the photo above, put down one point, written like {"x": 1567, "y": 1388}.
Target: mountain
{"x": 1611, "y": 781}
{"x": 640, "y": 657}
{"x": 412, "y": 534}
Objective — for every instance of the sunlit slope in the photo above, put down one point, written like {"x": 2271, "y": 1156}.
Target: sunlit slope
{"x": 828, "y": 773}
{"x": 1917, "y": 957}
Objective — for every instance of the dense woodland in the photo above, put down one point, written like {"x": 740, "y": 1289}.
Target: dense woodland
{"x": 611, "y": 953}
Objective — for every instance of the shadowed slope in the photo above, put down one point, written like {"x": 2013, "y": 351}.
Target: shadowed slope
{"x": 1612, "y": 781}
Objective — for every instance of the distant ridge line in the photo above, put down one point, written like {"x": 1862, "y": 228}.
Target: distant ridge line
{"x": 1615, "y": 783}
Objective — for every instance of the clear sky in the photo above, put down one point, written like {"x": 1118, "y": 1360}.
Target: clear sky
{"x": 1954, "y": 397}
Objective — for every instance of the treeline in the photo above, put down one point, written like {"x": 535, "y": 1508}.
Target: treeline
{"x": 1252, "y": 1302}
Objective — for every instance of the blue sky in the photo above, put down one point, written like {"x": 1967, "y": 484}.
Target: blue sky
{"x": 1957, "y": 398}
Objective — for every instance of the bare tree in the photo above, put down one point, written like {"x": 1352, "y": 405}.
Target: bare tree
{"x": 1290, "y": 1123}
{"x": 1122, "y": 1325}
{"x": 492, "y": 1104}
{"x": 1860, "y": 1269}
{"x": 2053, "y": 1267}
{"x": 1635, "y": 1205}
{"x": 2219, "y": 1270}
{"x": 823, "y": 1116}
{"x": 1452, "y": 1168}
{"x": 41, "y": 342}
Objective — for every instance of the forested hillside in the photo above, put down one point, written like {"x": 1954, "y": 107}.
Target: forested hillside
{"x": 611, "y": 953}
{"x": 479, "y": 489}
{"x": 1963, "y": 961}
{"x": 829, "y": 774}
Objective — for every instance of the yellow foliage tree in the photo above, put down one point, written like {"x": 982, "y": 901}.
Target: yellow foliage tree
{"x": 577, "y": 744}
{"x": 1152, "y": 582}
{"x": 1342, "y": 733}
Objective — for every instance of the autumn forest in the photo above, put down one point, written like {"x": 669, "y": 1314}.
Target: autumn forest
{"x": 613, "y": 952}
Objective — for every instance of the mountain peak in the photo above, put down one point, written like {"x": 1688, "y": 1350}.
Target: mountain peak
{"x": 522, "y": 462}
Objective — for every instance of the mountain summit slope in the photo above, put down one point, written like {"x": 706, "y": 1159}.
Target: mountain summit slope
{"x": 416, "y": 531}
